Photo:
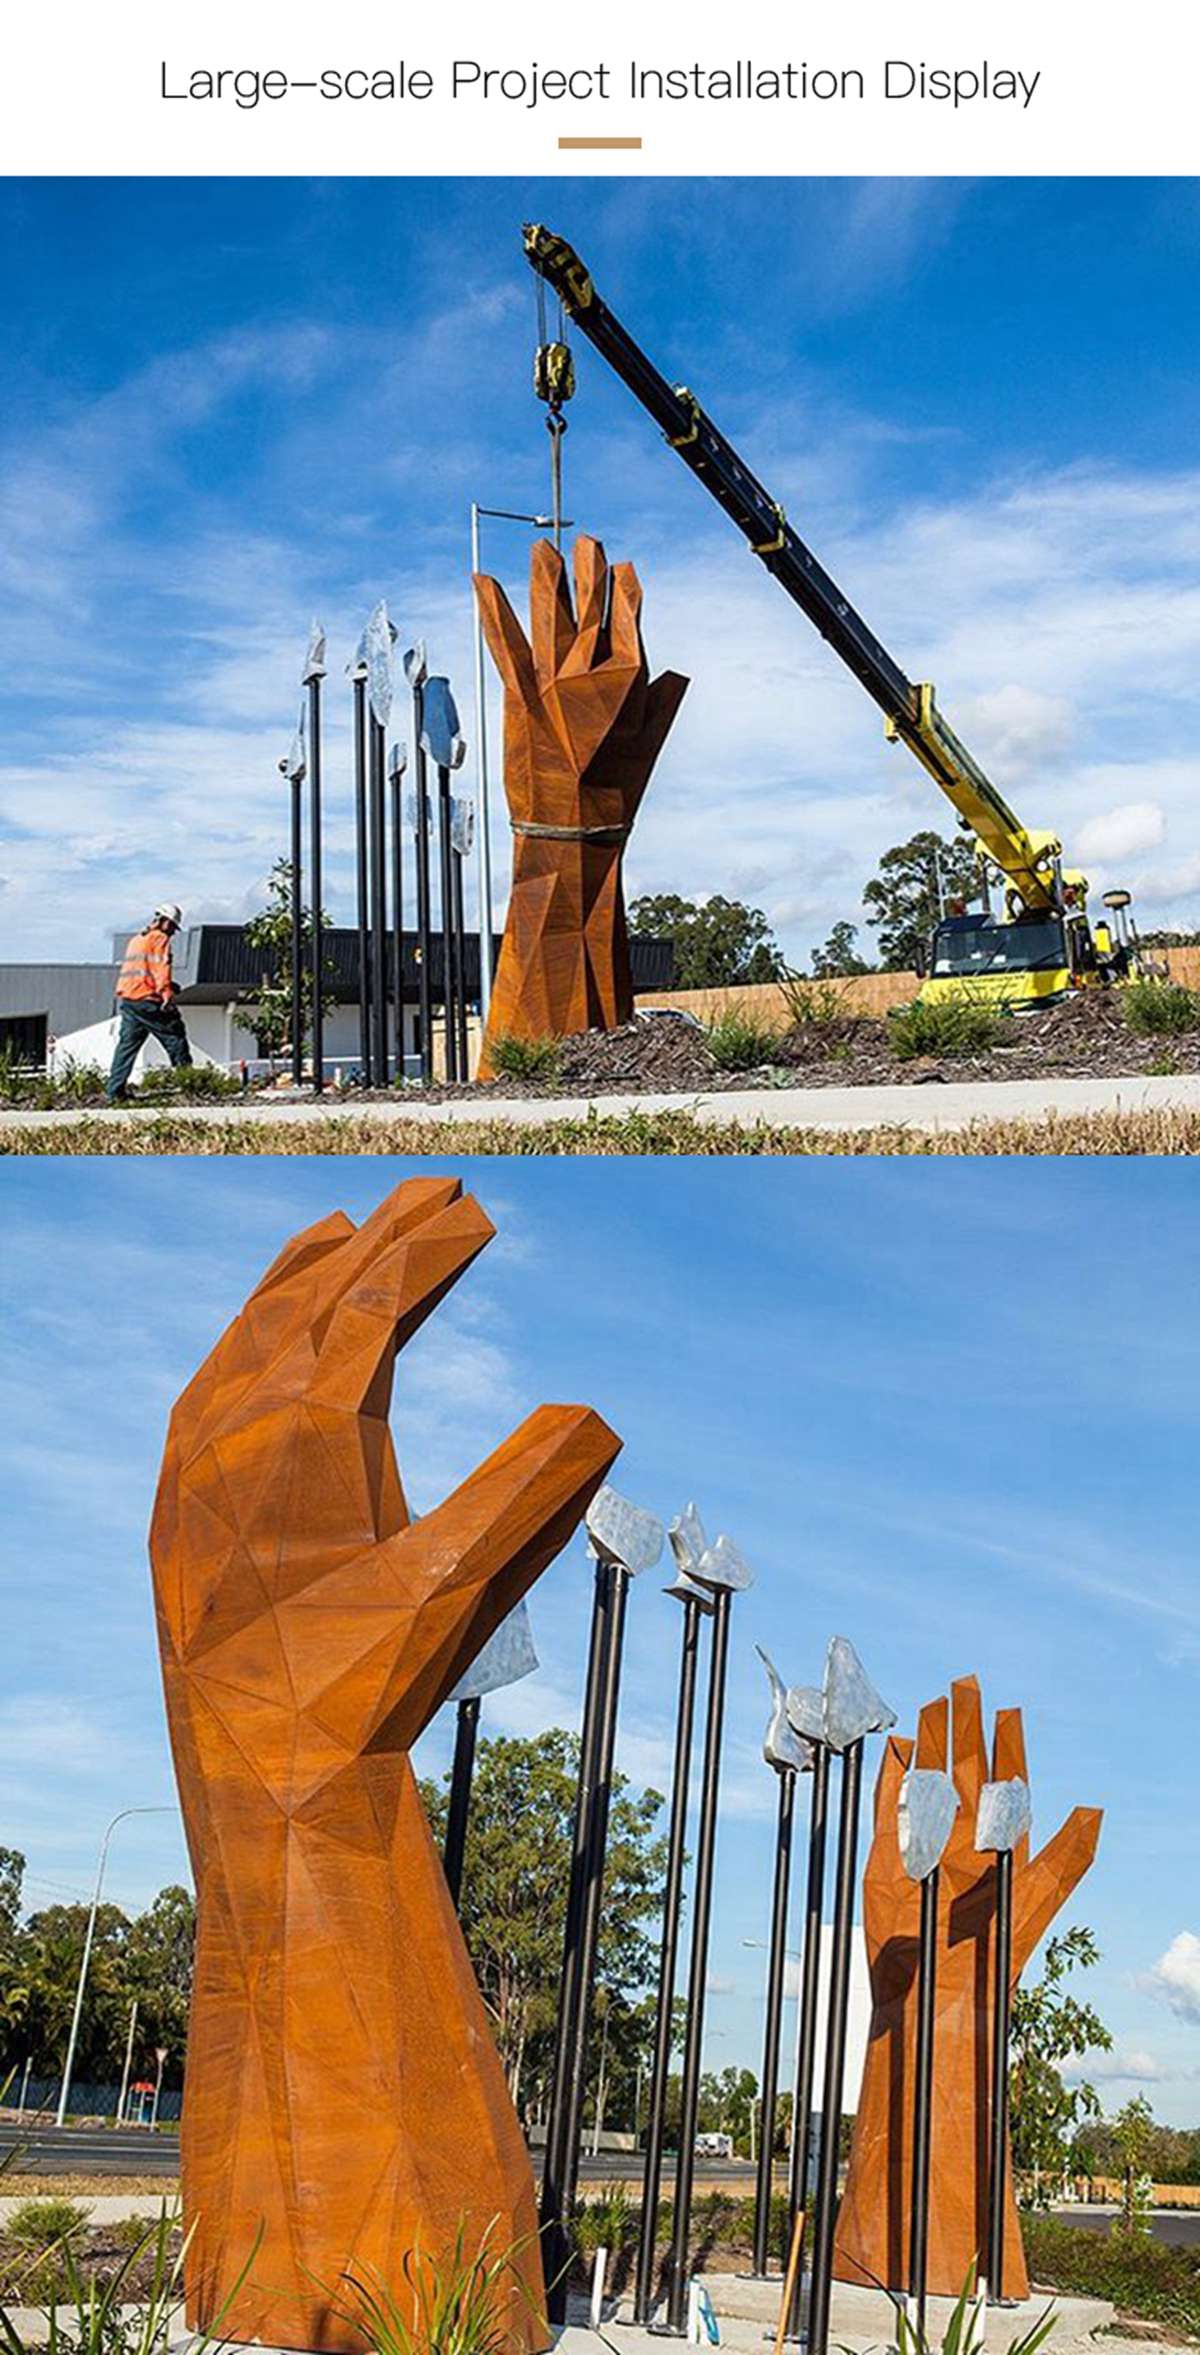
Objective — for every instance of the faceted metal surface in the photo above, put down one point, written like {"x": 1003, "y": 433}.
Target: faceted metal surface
{"x": 314, "y": 660}
{"x": 441, "y": 734}
{"x": 783, "y": 1748}
{"x": 925, "y": 1814}
{"x": 507, "y": 1656}
{"x": 410, "y": 814}
{"x": 806, "y": 1711}
{"x": 1003, "y": 1815}
{"x": 416, "y": 665}
{"x": 721, "y": 1565}
{"x": 295, "y": 765}
{"x": 397, "y": 760}
{"x": 462, "y": 823}
{"x": 687, "y": 1540}
{"x": 379, "y": 637}
{"x": 621, "y": 1532}
{"x": 852, "y": 1705}
{"x": 685, "y": 1590}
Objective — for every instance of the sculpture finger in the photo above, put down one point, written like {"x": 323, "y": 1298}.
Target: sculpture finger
{"x": 551, "y": 618}
{"x": 893, "y": 1766}
{"x": 402, "y": 1212}
{"x": 933, "y": 1734}
{"x": 1009, "y": 1765}
{"x": 1045, "y": 1885}
{"x": 625, "y": 620}
{"x": 968, "y": 1761}
{"x": 374, "y": 1647}
{"x": 252, "y": 1337}
{"x": 591, "y": 586}
{"x": 388, "y": 1302}
{"x": 506, "y": 641}
{"x": 663, "y": 699}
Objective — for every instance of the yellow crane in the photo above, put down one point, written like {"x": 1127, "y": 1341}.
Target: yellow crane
{"x": 1043, "y": 944}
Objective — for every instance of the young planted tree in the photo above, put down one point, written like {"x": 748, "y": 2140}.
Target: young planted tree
{"x": 1049, "y": 2026}
{"x": 270, "y": 936}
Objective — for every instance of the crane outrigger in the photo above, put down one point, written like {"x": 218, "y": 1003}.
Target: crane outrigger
{"x": 1044, "y": 943}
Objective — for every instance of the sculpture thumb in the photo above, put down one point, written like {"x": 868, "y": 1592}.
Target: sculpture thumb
{"x": 1045, "y": 1885}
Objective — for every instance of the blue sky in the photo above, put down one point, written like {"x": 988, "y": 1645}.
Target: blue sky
{"x": 949, "y": 1412}
{"x": 228, "y": 405}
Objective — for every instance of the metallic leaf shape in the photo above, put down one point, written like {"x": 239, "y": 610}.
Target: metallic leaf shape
{"x": 314, "y": 660}
{"x": 783, "y": 1748}
{"x": 925, "y": 1816}
{"x": 687, "y": 1540}
{"x": 721, "y": 1565}
{"x": 462, "y": 824}
{"x": 416, "y": 665}
{"x": 806, "y": 1711}
{"x": 684, "y": 1590}
{"x": 1003, "y": 1815}
{"x": 507, "y": 1656}
{"x": 441, "y": 734}
{"x": 853, "y": 1708}
{"x": 621, "y": 1532}
{"x": 379, "y": 637}
{"x": 397, "y": 760}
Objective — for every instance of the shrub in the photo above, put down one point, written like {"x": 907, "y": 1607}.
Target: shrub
{"x": 823, "y": 1003}
{"x": 1142, "y": 2276}
{"x": 526, "y": 1058}
{"x": 961, "y": 1025}
{"x": 741, "y": 1042}
{"x": 188, "y": 1083}
{"x": 38, "y": 2224}
{"x": 1157, "y": 1008}
{"x": 459, "y": 2305}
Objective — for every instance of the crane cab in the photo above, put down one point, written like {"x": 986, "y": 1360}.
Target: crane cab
{"x": 1026, "y": 959}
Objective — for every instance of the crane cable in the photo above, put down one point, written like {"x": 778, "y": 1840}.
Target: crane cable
{"x": 553, "y": 383}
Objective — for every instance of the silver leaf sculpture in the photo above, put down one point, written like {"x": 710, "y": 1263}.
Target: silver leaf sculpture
{"x": 1003, "y": 1815}
{"x": 853, "y": 1708}
{"x": 721, "y": 1565}
{"x": 314, "y": 660}
{"x": 687, "y": 1539}
{"x": 783, "y": 1748}
{"x": 925, "y": 1819}
{"x": 378, "y": 639}
{"x": 507, "y": 1656}
{"x": 621, "y": 1532}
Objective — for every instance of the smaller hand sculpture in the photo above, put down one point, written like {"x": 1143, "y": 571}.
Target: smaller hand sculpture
{"x": 872, "y": 2230}
{"x": 345, "y": 2103}
{"x": 583, "y": 727}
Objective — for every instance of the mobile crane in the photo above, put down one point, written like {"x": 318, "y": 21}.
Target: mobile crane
{"x": 1044, "y": 944}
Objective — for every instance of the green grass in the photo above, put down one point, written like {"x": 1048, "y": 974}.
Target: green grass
{"x": 821, "y": 1003}
{"x": 1168, "y": 1131}
{"x": 1159, "y": 1009}
{"x": 961, "y": 1025}
{"x": 36, "y": 2224}
{"x": 82, "y": 1085}
{"x": 526, "y": 1058}
{"x": 1142, "y": 2276}
{"x": 738, "y": 1041}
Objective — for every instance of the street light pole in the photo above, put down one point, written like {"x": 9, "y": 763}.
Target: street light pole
{"x": 314, "y": 672}
{"x": 73, "y": 2039}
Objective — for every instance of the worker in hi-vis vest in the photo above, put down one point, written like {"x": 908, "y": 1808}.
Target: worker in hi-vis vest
{"x": 146, "y": 999}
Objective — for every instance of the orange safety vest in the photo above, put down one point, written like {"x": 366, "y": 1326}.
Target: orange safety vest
{"x": 146, "y": 967}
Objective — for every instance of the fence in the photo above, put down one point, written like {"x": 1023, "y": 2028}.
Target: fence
{"x": 859, "y": 993}
{"x": 91, "y": 2101}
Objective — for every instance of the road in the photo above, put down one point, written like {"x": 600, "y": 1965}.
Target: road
{"x": 836, "y": 1110}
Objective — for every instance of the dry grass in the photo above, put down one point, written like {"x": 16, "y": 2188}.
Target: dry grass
{"x": 89, "y": 2187}
{"x": 1168, "y": 1131}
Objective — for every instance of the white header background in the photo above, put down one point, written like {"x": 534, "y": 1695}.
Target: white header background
{"x": 81, "y": 92}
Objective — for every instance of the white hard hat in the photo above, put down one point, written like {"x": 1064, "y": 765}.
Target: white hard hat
{"x": 168, "y": 908}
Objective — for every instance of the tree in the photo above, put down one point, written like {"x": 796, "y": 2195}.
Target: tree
{"x": 515, "y": 1874}
{"x": 1049, "y": 2025}
{"x": 719, "y": 943}
{"x": 839, "y": 956}
{"x": 726, "y": 2104}
{"x": 147, "y": 1960}
{"x": 269, "y": 934}
{"x": 916, "y": 880}
{"x": 158, "y": 1971}
{"x": 12, "y": 1878}
{"x": 1133, "y": 2132}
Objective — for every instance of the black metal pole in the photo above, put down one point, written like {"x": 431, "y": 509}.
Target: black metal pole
{"x": 643, "y": 2296}
{"x": 460, "y": 959}
{"x": 1000, "y": 2028}
{"x": 318, "y": 941}
{"x": 806, "y": 2029}
{"x": 770, "y": 2066}
{"x": 397, "y": 815}
{"x": 465, "y": 1731}
{"x": 378, "y": 841}
{"x": 606, "y": 1736}
{"x": 449, "y": 1031}
{"x": 424, "y": 941}
{"x": 360, "y": 847}
{"x": 918, "y": 2238}
{"x": 552, "y": 2217}
{"x": 297, "y": 941}
{"x": 825, "y": 2205}
{"x": 698, "y": 1963}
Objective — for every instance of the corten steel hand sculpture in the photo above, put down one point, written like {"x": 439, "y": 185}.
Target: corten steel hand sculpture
{"x": 344, "y": 2096}
{"x": 873, "y": 2225}
{"x": 583, "y": 727}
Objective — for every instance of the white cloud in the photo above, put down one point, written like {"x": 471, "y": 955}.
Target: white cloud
{"x": 1176, "y": 1976}
{"x": 1121, "y": 833}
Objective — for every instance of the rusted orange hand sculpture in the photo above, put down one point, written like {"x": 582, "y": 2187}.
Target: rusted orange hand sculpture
{"x": 583, "y": 727}
{"x": 344, "y": 2097}
{"x": 872, "y": 2230}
